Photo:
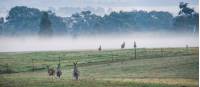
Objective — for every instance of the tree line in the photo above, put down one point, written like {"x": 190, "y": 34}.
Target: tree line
{"x": 22, "y": 20}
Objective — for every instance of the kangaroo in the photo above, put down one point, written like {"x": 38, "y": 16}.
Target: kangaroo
{"x": 51, "y": 71}
{"x": 123, "y": 45}
{"x": 75, "y": 71}
{"x": 99, "y": 48}
{"x": 58, "y": 71}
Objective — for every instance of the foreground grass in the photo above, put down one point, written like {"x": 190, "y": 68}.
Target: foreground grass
{"x": 49, "y": 82}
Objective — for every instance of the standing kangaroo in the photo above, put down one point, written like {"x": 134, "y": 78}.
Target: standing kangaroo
{"x": 99, "y": 48}
{"x": 58, "y": 71}
{"x": 123, "y": 45}
{"x": 51, "y": 71}
{"x": 75, "y": 71}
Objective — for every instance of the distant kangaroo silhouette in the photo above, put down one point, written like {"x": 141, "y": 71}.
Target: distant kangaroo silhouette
{"x": 123, "y": 45}
{"x": 100, "y": 48}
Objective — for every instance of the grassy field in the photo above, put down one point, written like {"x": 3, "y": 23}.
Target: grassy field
{"x": 153, "y": 67}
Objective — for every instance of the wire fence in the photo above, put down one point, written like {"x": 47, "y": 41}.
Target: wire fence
{"x": 94, "y": 57}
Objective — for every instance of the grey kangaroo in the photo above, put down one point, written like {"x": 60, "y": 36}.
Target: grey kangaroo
{"x": 58, "y": 71}
{"x": 75, "y": 71}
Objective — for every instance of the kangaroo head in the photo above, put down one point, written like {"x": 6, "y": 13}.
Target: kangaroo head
{"x": 75, "y": 63}
{"x": 47, "y": 66}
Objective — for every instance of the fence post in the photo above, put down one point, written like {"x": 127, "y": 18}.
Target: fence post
{"x": 187, "y": 48}
{"x": 7, "y": 68}
{"x": 59, "y": 63}
{"x": 33, "y": 67}
{"x": 161, "y": 51}
{"x": 59, "y": 59}
{"x": 112, "y": 56}
{"x": 135, "y": 48}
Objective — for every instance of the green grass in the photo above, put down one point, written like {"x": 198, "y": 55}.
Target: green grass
{"x": 80, "y": 83}
{"x": 172, "y": 67}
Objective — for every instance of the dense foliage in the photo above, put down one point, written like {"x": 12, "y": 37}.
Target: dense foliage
{"x": 22, "y": 20}
{"x": 187, "y": 20}
{"x": 45, "y": 26}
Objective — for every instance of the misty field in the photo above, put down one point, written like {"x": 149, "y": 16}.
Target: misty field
{"x": 152, "y": 67}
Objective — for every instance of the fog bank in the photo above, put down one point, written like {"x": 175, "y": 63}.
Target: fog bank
{"x": 150, "y": 40}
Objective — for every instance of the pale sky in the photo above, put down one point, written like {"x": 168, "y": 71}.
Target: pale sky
{"x": 165, "y": 5}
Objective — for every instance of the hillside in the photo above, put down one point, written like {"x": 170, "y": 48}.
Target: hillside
{"x": 166, "y": 67}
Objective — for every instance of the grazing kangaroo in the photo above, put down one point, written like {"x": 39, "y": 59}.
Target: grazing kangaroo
{"x": 123, "y": 45}
{"x": 51, "y": 71}
{"x": 75, "y": 71}
{"x": 58, "y": 71}
{"x": 99, "y": 48}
